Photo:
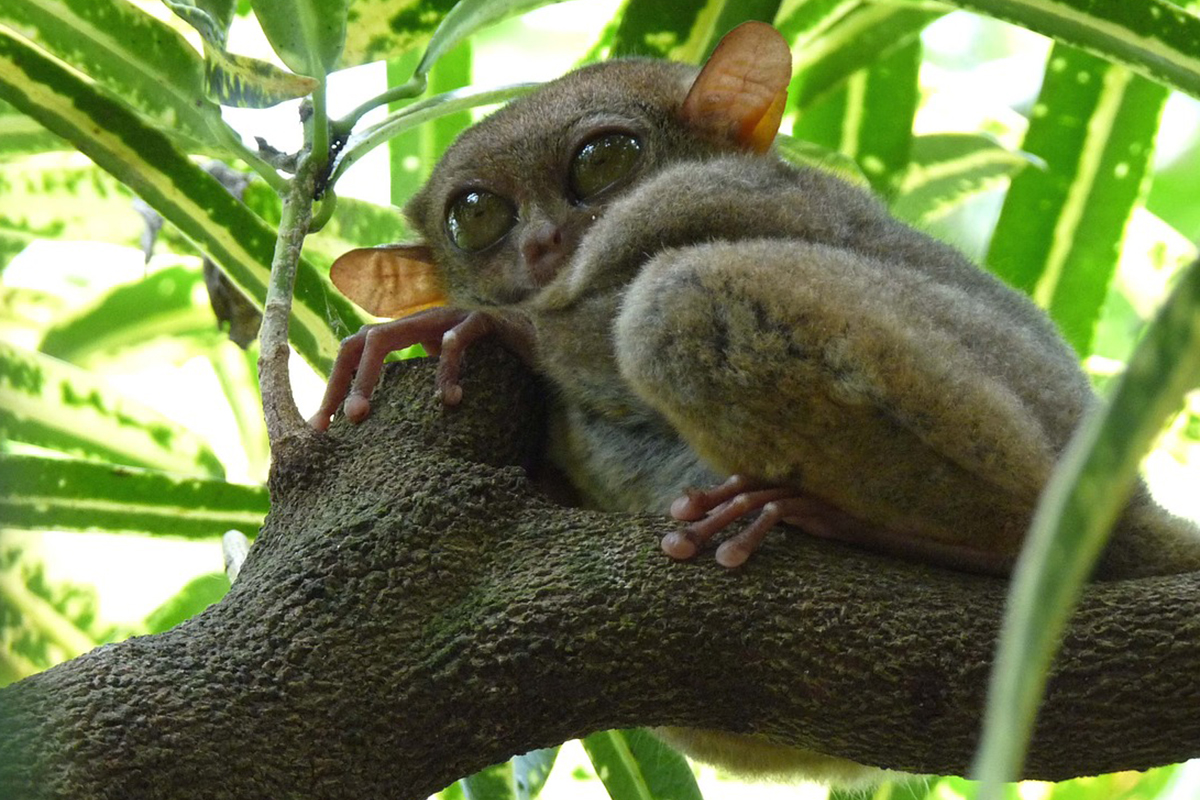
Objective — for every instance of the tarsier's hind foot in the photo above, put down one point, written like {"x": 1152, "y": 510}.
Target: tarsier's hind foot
{"x": 713, "y": 510}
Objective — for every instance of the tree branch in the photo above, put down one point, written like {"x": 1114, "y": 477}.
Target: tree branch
{"x": 414, "y": 610}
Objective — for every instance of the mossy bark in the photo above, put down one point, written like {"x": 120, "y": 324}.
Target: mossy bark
{"x": 415, "y": 609}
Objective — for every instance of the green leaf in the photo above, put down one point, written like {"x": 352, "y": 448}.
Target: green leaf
{"x": 307, "y": 35}
{"x": 384, "y": 29}
{"x": 520, "y": 778}
{"x": 49, "y": 403}
{"x": 211, "y": 18}
{"x": 1085, "y": 494}
{"x": 843, "y": 41}
{"x": 633, "y": 765}
{"x": 810, "y": 20}
{"x": 678, "y": 31}
{"x": 166, "y": 303}
{"x": 141, "y": 157}
{"x": 230, "y": 78}
{"x": 733, "y": 14}
{"x": 947, "y": 169}
{"x": 355, "y": 223}
{"x": 419, "y": 113}
{"x": 70, "y": 495}
{"x": 810, "y": 154}
{"x": 530, "y": 771}
{"x": 1060, "y": 231}
{"x": 1155, "y": 38}
{"x": 42, "y": 198}
{"x": 413, "y": 155}
{"x": 467, "y": 17}
{"x": 193, "y": 598}
{"x": 50, "y": 624}
{"x": 492, "y": 783}
{"x": 21, "y": 135}
{"x": 138, "y": 59}
{"x": 237, "y": 80}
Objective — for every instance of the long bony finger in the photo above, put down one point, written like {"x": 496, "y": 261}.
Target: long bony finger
{"x": 340, "y": 377}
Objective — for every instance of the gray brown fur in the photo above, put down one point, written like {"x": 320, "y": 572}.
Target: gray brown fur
{"x": 728, "y": 313}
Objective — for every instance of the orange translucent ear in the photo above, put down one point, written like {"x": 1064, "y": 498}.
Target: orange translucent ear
{"x": 389, "y": 281}
{"x": 739, "y": 95}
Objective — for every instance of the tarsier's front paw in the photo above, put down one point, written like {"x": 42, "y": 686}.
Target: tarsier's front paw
{"x": 713, "y": 510}
{"x": 441, "y": 331}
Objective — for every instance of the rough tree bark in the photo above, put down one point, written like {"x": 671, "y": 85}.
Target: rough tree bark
{"x": 414, "y": 610}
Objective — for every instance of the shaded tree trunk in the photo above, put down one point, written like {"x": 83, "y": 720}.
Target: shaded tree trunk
{"x": 414, "y": 610}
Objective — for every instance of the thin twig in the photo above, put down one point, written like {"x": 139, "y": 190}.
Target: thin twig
{"x": 279, "y": 406}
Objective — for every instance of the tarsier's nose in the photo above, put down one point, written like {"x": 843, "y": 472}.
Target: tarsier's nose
{"x": 545, "y": 248}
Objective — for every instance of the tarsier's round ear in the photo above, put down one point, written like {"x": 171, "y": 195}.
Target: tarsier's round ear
{"x": 739, "y": 95}
{"x": 389, "y": 281}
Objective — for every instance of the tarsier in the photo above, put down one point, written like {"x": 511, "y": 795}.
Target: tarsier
{"x": 729, "y": 337}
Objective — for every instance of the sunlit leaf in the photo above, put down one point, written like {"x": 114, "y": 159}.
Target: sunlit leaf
{"x": 947, "y": 169}
{"x": 49, "y": 403}
{"x": 1155, "y": 38}
{"x": 21, "y": 135}
{"x": 166, "y": 303}
{"x": 307, "y": 35}
{"x": 186, "y": 196}
{"x": 1060, "y": 232}
{"x": 237, "y": 80}
{"x": 198, "y": 595}
{"x": 869, "y": 117}
{"x": 47, "y": 198}
{"x": 137, "y": 58}
{"x": 803, "y": 153}
{"x": 467, "y": 17}
{"x": 70, "y": 495}
{"x": 59, "y": 637}
{"x": 413, "y": 154}
{"x": 633, "y": 765}
{"x": 530, "y": 771}
{"x": 384, "y": 29}
{"x": 1085, "y": 494}
{"x": 734, "y": 13}
{"x": 846, "y": 39}
{"x": 678, "y": 31}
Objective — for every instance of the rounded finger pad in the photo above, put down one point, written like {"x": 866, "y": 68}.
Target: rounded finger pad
{"x": 678, "y": 546}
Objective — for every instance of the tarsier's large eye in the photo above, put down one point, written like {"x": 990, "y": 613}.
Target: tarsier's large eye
{"x": 601, "y": 163}
{"x": 478, "y": 219}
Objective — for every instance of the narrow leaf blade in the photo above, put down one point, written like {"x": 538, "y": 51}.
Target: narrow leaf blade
{"x": 634, "y": 765}
{"x": 1060, "y": 230}
{"x": 188, "y": 197}
{"x": 137, "y": 58}
{"x": 307, "y": 35}
{"x": 49, "y": 403}
{"x": 1157, "y": 39}
{"x": 71, "y": 495}
{"x": 947, "y": 169}
{"x": 1078, "y": 507}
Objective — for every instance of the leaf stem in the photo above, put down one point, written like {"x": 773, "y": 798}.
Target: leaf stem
{"x": 412, "y": 88}
{"x": 417, "y": 113}
{"x": 268, "y": 173}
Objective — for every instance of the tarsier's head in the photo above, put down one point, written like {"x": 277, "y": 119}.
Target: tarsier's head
{"x": 510, "y": 200}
